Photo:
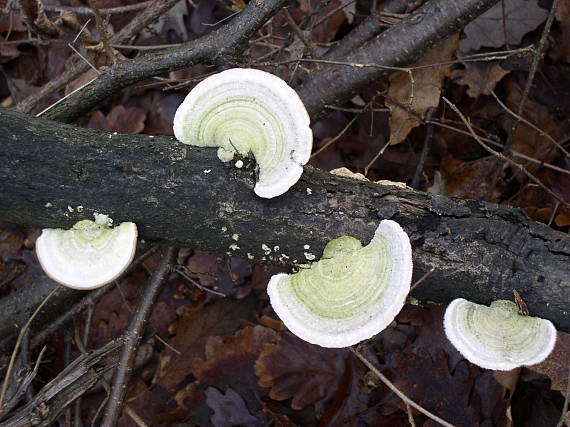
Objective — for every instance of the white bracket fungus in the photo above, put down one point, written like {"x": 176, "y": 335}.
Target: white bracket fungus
{"x": 351, "y": 294}
{"x": 244, "y": 110}
{"x": 498, "y": 337}
{"x": 89, "y": 255}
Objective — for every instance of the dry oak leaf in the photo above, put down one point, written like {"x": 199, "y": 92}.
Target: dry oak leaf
{"x": 470, "y": 180}
{"x": 422, "y": 94}
{"x": 128, "y": 120}
{"x": 194, "y": 329}
{"x": 230, "y": 362}
{"x": 293, "y": 368}
{"x": 480, "y": 77}
{"x": 230, "y": 409}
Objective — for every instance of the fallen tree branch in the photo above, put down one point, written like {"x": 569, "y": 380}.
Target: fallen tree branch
{"x": 185, "y": 196}
{"x": 398, "y": 46}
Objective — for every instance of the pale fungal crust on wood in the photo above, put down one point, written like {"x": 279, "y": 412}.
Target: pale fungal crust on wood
{"x": 351, "y": 294}
{"x": 89, "y": 255}
{"x": 498, "y": 337}
{"x": 247, "y": 110}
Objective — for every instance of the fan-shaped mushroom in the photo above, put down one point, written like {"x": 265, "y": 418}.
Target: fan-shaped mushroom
{"x": 89, "y": 255}
{"x": 245, "y": 110}
{"x": 498, "y": 337}
{"x": 351, "y": 294}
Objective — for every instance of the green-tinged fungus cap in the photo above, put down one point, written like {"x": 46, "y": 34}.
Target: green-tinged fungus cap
{"x": 247, "y": 110}
{"x": 498, "y": 337}
{"x": 351, "y": 294}
{"x": 89, "y": 255}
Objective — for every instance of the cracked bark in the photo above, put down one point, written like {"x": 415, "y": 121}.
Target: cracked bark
{"x": 481, "y": 251}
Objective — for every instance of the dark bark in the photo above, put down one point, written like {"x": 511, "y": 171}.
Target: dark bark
{"x": 185, "y": 196}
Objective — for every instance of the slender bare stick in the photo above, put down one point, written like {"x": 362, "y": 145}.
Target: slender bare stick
{"x": 102, "y": 31}
{"x": 298, "y": 31}
{"x": 392, "y": 387}
{"x": 421, "y": 279}
{"x": 87, "y": 11}
{"x": 425, "y": 148}
{"x": 132, "y": 339}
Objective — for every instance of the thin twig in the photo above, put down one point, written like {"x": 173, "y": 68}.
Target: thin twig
{"x": 333, "y": 140}
{"x": 376, "y": 157}
{"x": 17, "y": 345}
{"x": 392, "y": 387}
{"x": 421, "y": 279}
{"x": 502, "y": 156}
{"x": 102, "y": 32}
{"x": 538, "y": 54}
{"x": 87, "y": 11}
{"x": 198, "y": 285}
{"x": 132, "y": 339}
{"x": 425, "y": 149}
{"x": 332, "y": 12}
{"x": 410, "y": 415}
{"x": 298, "y": 31}
{"x": 553, "y": 213}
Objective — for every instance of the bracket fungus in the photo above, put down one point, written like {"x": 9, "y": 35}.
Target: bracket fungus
{"x": 351, "y": 294}
{"x": 89, "y": 255}
{"x": 244, "y": 110}
{"x": 498, "y": 337}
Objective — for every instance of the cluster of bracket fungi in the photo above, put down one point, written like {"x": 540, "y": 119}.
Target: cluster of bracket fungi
{"x": 354, "y": 291}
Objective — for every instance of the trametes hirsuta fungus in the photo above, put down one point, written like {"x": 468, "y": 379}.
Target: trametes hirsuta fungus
{"x": 244, "y": 110}
{"x": 89, "y": 255}
{"x": 498, "y": 337}
{"x": 351, "y": 294}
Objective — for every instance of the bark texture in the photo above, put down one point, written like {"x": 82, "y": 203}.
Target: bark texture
{"x": 185, "y": 196}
